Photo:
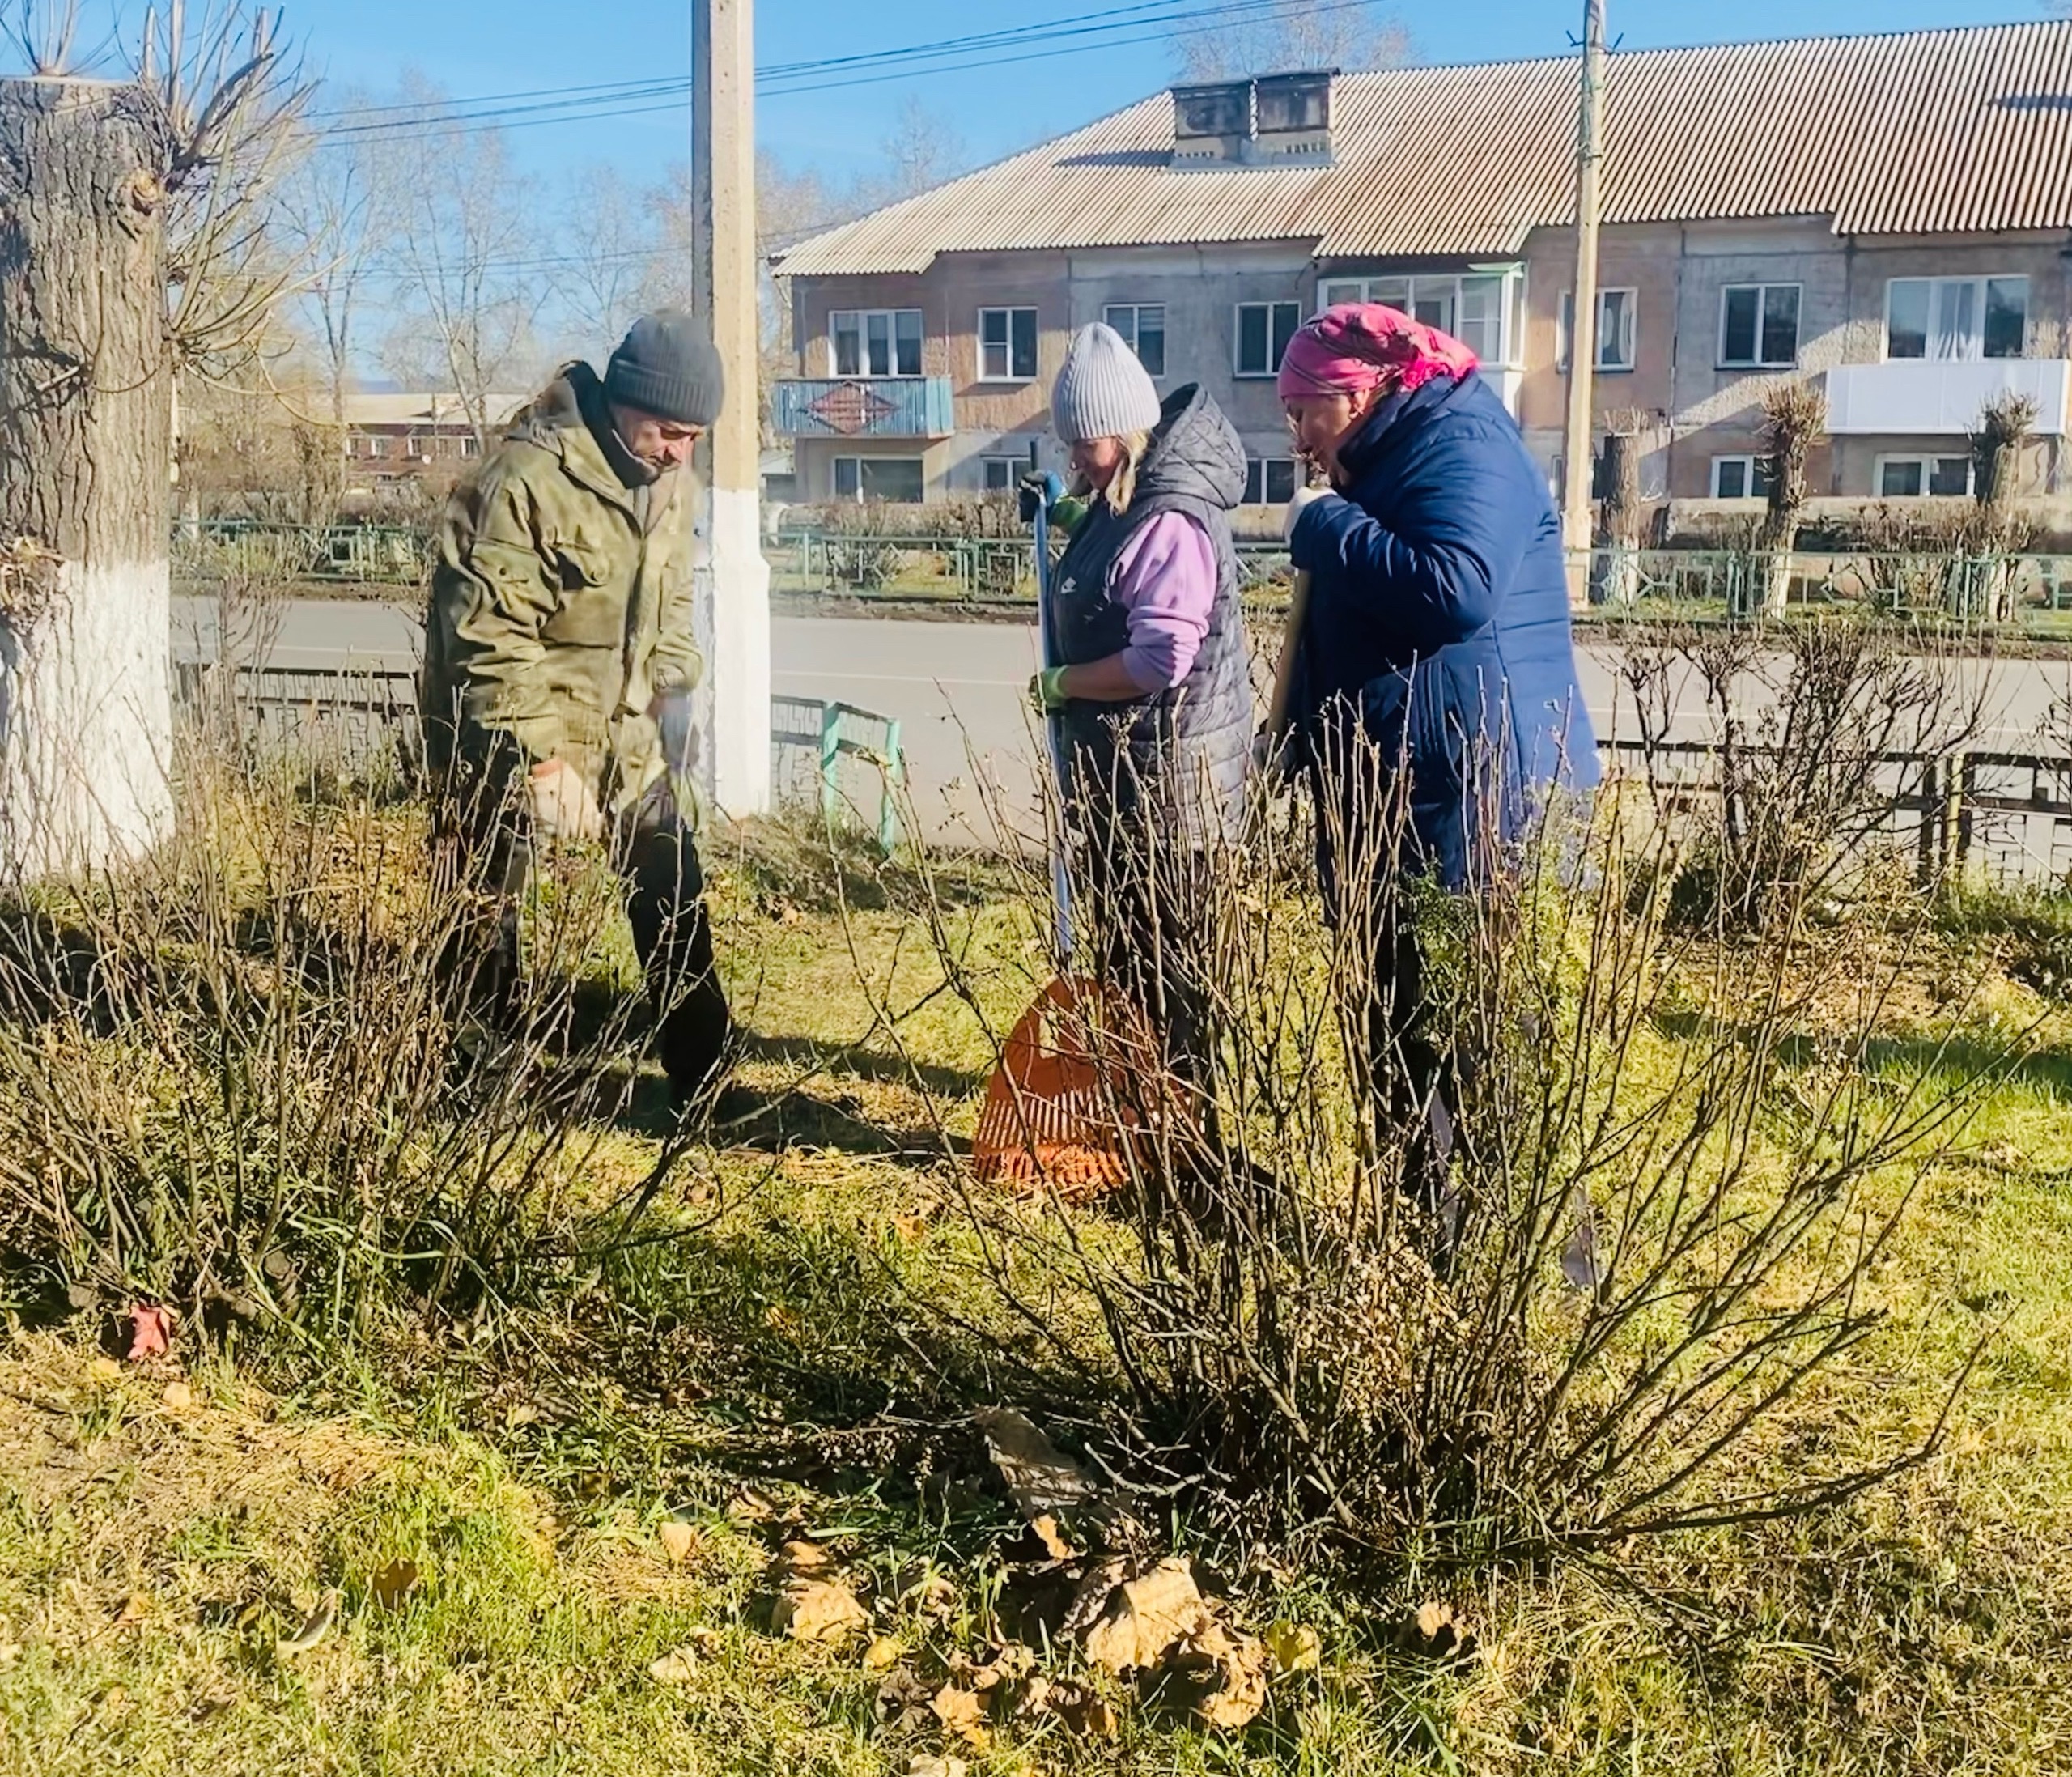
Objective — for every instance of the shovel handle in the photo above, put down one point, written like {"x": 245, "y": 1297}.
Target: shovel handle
{"x": 1291, "y": 646}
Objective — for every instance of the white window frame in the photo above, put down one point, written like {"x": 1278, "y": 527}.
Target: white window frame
{"x": 1133, "y": 335}
{"x": 1759, "y": 362}
{"x": 835, "y": 477}
{"x": 1927, "y": 459}
{"x": 1977, "y": 336}
{"x": 1015, "y": 466}
{"x": 1511, "y": 304}
{"x": 1238, "y": 337}
{"x": 1750, "y": 462}
{"x": 863, "y": 372}
{"x": 1010, "y": 375}
{"x": 1565, "y": 323}
{"x": 1256, "y": 469}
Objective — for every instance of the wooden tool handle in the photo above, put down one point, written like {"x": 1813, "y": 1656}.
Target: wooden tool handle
{"x": 1291, "y": 644}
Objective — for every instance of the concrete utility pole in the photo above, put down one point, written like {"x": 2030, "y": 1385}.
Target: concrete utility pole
{"x": 732, "y": 584}
{"x": 1576, "y": 523}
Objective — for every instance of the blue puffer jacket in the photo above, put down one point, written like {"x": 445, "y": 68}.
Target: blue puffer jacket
{"x": 1438, "y": 623}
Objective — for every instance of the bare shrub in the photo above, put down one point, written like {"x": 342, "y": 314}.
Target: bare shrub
{"x": 1672, "y": 1167}
{"x": 1810, "y": 743}
{"x": 249, "y": 1076}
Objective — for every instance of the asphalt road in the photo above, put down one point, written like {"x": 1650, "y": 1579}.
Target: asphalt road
{"x": 956, "y": 688}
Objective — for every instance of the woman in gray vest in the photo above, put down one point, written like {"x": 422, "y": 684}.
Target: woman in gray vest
{"x": 1154, "y": 695}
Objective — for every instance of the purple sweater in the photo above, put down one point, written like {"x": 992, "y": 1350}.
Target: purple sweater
{"x": 1164, "y": 577}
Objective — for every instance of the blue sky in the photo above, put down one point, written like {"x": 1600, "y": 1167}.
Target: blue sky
{"x": 475, "y": 48}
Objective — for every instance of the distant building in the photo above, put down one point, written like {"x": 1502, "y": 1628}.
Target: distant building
{"x": 1890, "y": 215}
{"x": 394, "y": 437}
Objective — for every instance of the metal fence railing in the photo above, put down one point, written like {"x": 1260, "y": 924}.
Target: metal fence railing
{"x": 2006, "y": 814}
{"x": 207, "y": 550}
{"x": 2028, "y": 593}
{"x": 845, "y": 760}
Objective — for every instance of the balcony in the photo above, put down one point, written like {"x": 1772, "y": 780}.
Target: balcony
{"x": 1929, "y": 397}
{"x": 863, "y": 407}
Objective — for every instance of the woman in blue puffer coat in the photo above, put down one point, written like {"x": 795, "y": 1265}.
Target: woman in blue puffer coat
{"x": 1436, "y": 695}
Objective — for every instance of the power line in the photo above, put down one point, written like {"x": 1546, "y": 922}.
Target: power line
{"x": 574, "y": 109}
{"x": 608, "y": 90}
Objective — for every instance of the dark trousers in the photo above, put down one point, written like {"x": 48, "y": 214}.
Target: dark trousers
{"x": 654, "y": 855}
{"x": 1416, "y": 1085}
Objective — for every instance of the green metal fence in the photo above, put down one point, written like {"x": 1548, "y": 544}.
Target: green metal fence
{"x": 2029, "y": 593}
{"x": 211, "y": 549}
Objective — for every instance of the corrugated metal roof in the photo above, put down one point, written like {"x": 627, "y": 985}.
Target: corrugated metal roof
{"x": 1927, "y": 132}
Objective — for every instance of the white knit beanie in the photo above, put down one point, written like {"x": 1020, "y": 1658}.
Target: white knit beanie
{"x": 1103, "y": 391}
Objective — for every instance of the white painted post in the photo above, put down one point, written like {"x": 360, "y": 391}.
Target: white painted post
{"x": 732, "y": 580}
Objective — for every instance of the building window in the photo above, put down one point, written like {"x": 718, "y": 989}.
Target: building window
{"x": 1263, "y": 331}
{"x": 1001, "y": 474}
{"x": 1759, "y": 326}
{"x": 1953, "y": 319}
{"x": 1269, "y": 481}
{"x": 895, "y": 479}
{"x": 1143, "y": 325}
{"x": 1909, "y": 477}
{"x": 1007, "y": 345}
{"x": 1615, "y": 329}
{"x": 1739, "y": 478}
{"x": 1484, "y": 310}
{"x": 471, "y": 445}
{"x": 875, "y": 342}
{"x": 377, "y": 445}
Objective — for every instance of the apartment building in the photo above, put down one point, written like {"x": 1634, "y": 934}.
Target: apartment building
{"x": 1890, "y": 215}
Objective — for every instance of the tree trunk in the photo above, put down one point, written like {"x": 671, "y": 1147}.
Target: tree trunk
{"x": 85, "y": 395}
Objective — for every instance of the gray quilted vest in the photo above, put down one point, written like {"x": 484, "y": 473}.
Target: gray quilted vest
{"x": 1181, "y": 755}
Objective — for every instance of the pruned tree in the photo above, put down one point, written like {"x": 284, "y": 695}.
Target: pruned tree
{"x": 1794, "y": 416}
{"x": 1292, "y": 34}
{"x": 131, "y": 242}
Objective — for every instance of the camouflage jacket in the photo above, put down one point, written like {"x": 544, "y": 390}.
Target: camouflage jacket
{"x": 561, "y": 603}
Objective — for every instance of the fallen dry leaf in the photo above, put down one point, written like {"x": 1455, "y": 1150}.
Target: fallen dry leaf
{"x": 151, "y": 1331}
{"x": 747, "y": 1507}
{"x": 1433, "y": 1619}
{"x": 314, "y": 1627}
{"x": 1147, "y": 1618}
{"x": 1239, "y": 1662}
{"x": 1295, "y": 1648}
{"x": 179, "y": 1397}
{"x": 679, "y": 1540}
{"x": 104, "y": 1369}
{"x": 1082, "y": 1710}
{"x": 819, "y": 1611}
{"x": 803, "y": 1556}
{"x": 936, "y": 1765}
{"x": 678, "y": 1667}
{"x": 962, "y": 1713}
{"x": 1041, "y": 1479}
{"x": 1052, "y": 1538}
{"x": 135, "y": 1607}
{"x": 395, "y": 1583}
{"x": 882, "y": 1655}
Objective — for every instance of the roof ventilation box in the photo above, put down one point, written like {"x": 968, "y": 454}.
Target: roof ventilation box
{"x": 1278, "y": 120}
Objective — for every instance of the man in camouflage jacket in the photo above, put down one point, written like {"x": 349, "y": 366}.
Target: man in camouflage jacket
{"x": 558, "y": 654}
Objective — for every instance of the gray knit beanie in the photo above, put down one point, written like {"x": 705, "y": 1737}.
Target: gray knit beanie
{"x": 669, "y": 367}
{"x": 1103, "y": 391}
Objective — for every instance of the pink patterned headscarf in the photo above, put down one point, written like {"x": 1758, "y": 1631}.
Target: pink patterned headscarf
{"x": 1358, "y": 346}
